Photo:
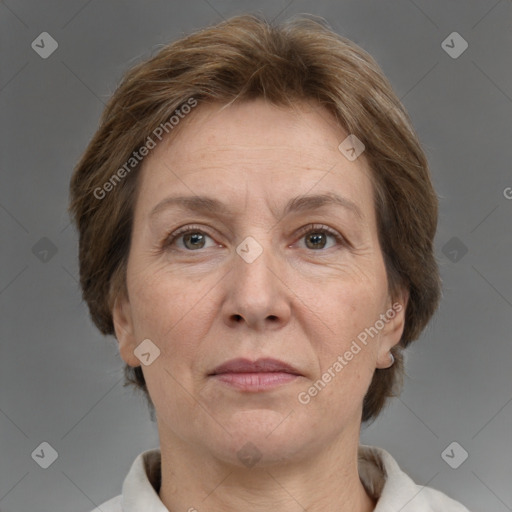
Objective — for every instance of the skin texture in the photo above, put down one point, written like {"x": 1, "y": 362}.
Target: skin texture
{"x": 303, "y": 300}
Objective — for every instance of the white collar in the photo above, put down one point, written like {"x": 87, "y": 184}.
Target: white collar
{"x": 379, "y": 472}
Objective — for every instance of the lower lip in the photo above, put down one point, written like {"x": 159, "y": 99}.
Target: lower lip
{"x": 260, "y": 381}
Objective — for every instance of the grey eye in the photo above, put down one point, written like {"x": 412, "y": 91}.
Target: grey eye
{"x": 194, "y": 240}
{"x": 316, "y": 240}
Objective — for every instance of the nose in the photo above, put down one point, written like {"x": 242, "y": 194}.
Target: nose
{"x": 256, "y": 294}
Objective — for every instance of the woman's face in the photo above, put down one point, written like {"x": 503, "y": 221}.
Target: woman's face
{"x": 272, "y": 267}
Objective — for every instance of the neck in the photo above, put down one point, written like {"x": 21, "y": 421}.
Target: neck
{"x": 329, "y": 480}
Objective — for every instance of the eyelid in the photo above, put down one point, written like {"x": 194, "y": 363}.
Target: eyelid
{"x": 172, "y": 236}
{"x": 314, "y": 227}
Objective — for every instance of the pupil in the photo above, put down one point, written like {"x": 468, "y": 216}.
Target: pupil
{"x": 316, "y": 238}
{"x": 194, "y": 238}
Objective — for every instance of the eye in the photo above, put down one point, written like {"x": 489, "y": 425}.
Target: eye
{"x": 191, "y": 239}
{"x": 316, "y": 236}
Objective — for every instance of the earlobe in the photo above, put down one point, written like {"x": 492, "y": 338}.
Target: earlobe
{"x": 386, "y": 361}
{"x": 123, "y": 326}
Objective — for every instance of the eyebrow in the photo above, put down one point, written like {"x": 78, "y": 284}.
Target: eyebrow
{"x": 297, "y": 204}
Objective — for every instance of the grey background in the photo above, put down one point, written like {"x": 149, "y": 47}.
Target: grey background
{"x": 61, "y": 381}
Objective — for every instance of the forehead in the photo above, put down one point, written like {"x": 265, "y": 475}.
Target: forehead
{"x": 255, "y": 150}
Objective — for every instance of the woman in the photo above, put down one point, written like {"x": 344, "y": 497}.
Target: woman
{"x": 256, "y": 222}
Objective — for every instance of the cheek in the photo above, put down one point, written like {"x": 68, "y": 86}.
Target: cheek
{"x": 351, "y": 307}
{"x": 346, "y": 352}
{"x": 346, "y": 358}
{"x": 161, "y": 300}
{"x": 173, "y": 312}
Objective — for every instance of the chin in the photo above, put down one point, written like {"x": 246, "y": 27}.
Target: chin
{"x": 263, "y": 437}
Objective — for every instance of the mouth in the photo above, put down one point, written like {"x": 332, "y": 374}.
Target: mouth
{"x": 255, "y": 376}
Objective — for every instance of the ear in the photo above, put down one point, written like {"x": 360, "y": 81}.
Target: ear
{"x": 123, "y": 326}
{"x": 390, "y": 335}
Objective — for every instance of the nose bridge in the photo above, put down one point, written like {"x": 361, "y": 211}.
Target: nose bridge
{"x": 254, "y": 265}
{"x": 255, "y": 293}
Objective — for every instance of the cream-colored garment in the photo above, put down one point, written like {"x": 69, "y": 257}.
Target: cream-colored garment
{"x": 379, "y": 473}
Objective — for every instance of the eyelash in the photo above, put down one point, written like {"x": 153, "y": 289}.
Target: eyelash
{"x": 170, "y": 238}
{"x": 320, "y": 228}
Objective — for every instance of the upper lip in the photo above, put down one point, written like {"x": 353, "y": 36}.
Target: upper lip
{"x": 241, "y": 365}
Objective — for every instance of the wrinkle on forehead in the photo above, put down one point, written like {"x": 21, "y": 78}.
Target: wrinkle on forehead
{"x": 248, "y": 152}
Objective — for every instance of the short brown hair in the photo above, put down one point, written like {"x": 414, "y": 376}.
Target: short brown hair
{"x": 244, "y": 58}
